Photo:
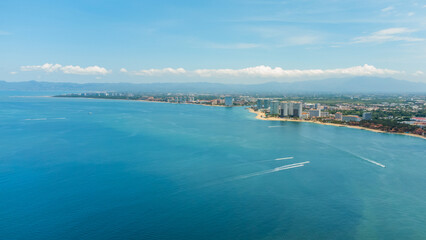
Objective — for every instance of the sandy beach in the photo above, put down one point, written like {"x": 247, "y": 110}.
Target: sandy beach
{"x": 262, "y": 116}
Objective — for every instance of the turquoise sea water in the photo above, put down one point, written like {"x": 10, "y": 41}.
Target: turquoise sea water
{"x": 104, "y": 169}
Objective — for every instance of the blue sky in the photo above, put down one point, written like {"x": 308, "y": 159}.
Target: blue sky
{"x": 233, "y": 41}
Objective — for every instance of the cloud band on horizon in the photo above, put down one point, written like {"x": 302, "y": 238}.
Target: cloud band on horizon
{"x": 69, "y": 69}
{"x": 257, "y": 72}
{"x": 263, "y": 71}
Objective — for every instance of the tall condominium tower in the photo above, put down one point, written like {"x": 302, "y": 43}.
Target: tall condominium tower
{"x": 297, "y": 109}
{"x": 275, "y": 106}
{"x": 266, "y": 103}
{"x": 291, "y": 109}
{"x": 259, "y": 103}
{"x": 284, "y": 109}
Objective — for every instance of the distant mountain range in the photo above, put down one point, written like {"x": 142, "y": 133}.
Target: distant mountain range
{"x": 343, "y": 85}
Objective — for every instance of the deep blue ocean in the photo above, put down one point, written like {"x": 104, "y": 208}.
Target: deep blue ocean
{"x": 113, "y": 169}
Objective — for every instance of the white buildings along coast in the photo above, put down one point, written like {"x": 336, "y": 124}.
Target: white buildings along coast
{"x": 294, "y": 109}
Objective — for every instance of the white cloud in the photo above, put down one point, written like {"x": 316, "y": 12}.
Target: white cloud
{"x": 84, "y": 71}
{"x": 410, "y": 14}
{"x": 418, "y": 73}
{"x": 13, "y": 73}
{"x": 390, "y": 8}
{"x": 123, "y": 70}
{"x": 277, "y": 72}
{"x": 391, "y": 31}
{"x": 387, "y": 35}
{"x": 270, "y": 72}
{"x": 156, "y": 72}
{"x": 47, "y": 67}
{"x": 69, "y": 69}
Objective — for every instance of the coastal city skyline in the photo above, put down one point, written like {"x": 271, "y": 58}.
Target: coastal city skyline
{"x": 212, "y": 120}
{"x": 222, "y": 41}
{"x": 401, "y": 114}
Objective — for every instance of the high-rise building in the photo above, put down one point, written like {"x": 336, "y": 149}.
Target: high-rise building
{"x": 284, "y": 109}
{"x": 259, "y": 103}
{"x": 297, "y": 109}
{"x": 338, "y": 116}
{"x": 266, "y": 103}
{"x": 275, "y": 107}
{"x": 367, "y": 116}
{"x": 290, "y": 109}
{"x": 229, "y": 101}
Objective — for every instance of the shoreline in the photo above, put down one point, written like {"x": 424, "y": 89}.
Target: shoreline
{"x": 140, "y": 100}
{"x": 261, "y": 116}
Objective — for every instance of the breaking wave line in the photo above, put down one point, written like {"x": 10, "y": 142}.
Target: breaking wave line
{"x": 284, "y": 158}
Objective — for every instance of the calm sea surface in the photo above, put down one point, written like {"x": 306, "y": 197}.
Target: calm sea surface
{"x": 105, "y": 169}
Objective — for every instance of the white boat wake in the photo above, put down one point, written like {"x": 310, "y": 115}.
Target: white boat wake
{"x": 44, "y": 119}
{"x": 284, "y": 158}
{"x": 369, "y": 160}
{"x": 365, "y": 159}
{"x": 277, "y": 169}
{"x": 353, "y": 154}
{"x": 35, "y": 119}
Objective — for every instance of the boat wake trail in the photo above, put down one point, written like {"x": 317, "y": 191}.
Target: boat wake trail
{"x": 284, "y": 158}
{"x": 35, "y": 119}
{"x": 353, "y": 154}
{"x": 369, "y": 160}
{"x": 270, "y": 160}
{"x": 277, "y": 169}
{"x": 43, "y": 119}
{"x": 363, "y": 158}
